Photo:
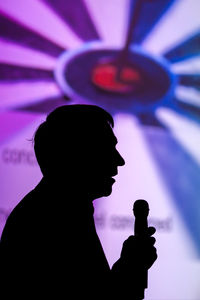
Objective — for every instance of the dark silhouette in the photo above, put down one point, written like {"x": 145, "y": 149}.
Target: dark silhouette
{"x": 49, "y": 246}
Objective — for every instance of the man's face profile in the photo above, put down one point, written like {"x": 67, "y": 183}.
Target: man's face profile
{"x": 103, "y": 160}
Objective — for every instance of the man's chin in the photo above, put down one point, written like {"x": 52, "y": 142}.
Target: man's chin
{"x": 106, "y": 188}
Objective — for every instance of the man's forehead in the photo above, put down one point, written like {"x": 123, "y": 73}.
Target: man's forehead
{"x": 98, "y": 133}
{"x": 110, "y": 136}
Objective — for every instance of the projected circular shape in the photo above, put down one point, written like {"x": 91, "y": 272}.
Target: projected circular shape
{"x": 91, "y": 74}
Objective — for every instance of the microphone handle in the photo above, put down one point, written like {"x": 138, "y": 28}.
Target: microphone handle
{"x": 141, "y": 226}
{"x": 140, "y": 230}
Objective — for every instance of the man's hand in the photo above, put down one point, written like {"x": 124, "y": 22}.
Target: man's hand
{"x": 138, "y": 251}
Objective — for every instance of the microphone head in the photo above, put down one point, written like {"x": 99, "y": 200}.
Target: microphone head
{"x": 141, "y": 208}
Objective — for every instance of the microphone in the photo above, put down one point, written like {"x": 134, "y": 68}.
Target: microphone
{"x": 141, "y": 211}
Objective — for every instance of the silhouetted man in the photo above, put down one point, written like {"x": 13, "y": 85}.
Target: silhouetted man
{"x": 49, "y": 246}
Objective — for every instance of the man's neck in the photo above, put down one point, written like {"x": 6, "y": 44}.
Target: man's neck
{"x": 69, "y": 187}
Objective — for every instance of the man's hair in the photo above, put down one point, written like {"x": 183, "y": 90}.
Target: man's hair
{"x": 69, "y": 127}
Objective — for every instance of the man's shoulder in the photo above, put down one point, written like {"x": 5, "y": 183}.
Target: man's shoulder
{"x": 21, "y": 215}
{"x": 28, "y": 204}
{"x": 24, "y": 206}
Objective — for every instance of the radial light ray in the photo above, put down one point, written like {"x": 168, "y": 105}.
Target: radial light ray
{"x": 46, "y": 105}
{"x": 132, "y": 145}
{"x": 179, "y": 23}
{"x": 181, "y": 128}
{"x": 11, "y": 53}
{"x": 13, "y": 74}
{"x": 14, "y": 32}
{"x": 37, "y": 16}
{"x": 186, "y": 49}
{"x": 13, "y": 122}
{"x": 148, "y": 20}
{"x": 149, "y": 119}
{"x": 192, "y": 110}
{"x": 188, "y": 95}
{"x": 187, "y": 110}
{"x": 111, "y": 19}
{"x": 24, "y": 93}
{"x": 191, "y": 80}
{"x": 170, "y": 158}
{"x": 189, "y": 66}
{"x": 79, "y": 19}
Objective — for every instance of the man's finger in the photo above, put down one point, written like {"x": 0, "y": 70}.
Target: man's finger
{"x": 151, "y": 230}
{"x": 152, "y": 240}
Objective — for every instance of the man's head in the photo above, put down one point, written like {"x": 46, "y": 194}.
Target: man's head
{"x": 76, "y": 145}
